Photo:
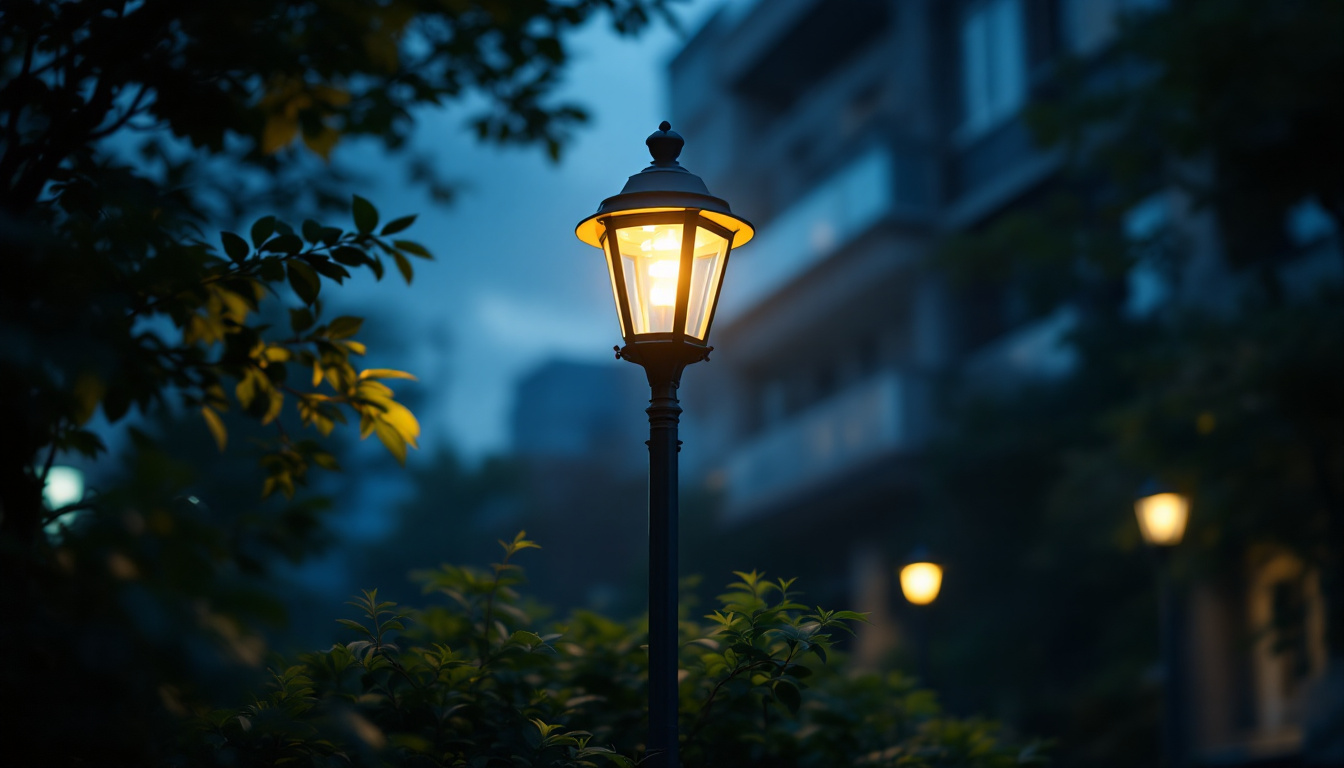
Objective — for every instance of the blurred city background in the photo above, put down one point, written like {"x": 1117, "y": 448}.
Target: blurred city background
{"x": 1016, "y": 259}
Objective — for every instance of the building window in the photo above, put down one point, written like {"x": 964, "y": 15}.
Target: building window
{"x": 1151, "y": 278}
{"x": 1091, "y": 24}
{"x": 993, "y": 64}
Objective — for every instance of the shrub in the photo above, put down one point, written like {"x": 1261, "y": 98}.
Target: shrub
{"x": 472, "y": 682}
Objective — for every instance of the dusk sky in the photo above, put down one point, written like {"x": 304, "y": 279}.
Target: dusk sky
{"x": 512, "y": 287}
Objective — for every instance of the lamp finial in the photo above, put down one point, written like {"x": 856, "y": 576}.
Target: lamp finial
{"x": 665, "y": 145}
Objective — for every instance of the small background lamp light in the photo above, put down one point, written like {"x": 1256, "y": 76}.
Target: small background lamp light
{"x": 1162, "y": 516}
{"x": 921, "y": 581}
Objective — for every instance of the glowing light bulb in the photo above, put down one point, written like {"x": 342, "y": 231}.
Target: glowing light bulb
{"x": 668, "y": 242}
{"x": 664, "y": 268}
{"x": 663, "y": 293}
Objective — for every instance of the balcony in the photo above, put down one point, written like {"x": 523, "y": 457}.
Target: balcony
{"x": 852, "y": 429}
{"x": 842, "y": 207}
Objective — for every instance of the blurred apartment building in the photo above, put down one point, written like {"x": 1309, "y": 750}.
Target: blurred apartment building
{"x": 857, "y": 134}
{"x": 578, "y": 437}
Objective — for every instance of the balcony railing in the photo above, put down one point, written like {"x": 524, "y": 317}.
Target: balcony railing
{"x": 852, "y": 428}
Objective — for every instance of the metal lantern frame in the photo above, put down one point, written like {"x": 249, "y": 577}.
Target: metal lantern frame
{"x": 665, "y": 194}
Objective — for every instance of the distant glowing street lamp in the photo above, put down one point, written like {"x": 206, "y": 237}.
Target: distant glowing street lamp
{"x": 666, "y": 241}
{"x": 920, "y": 582}
{"x": 1162, "y": 515}
{"x": 921, "y": 579}
{"x": 1162, "y": 518}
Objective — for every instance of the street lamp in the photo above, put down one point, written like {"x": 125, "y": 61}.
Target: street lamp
{"x": 666, "y": 241}
{"x": 1162, "y": 515}
{"x": 921, "y": 579}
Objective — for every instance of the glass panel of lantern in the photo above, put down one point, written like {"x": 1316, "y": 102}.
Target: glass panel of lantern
{"x": 651, "y": 266}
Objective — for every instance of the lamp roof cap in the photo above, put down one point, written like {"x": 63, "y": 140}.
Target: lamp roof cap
{"x": 665, "y": 185}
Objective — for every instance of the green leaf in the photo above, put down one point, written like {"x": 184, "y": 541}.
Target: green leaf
{"x": 413, "y": 248}
{"x": 262, "y": 230}
{"x": 235, "y": 246}
{"x": 272, "y": 270}
{"x": 349, "y": 256}
{"x": 286, "y": 244}
{"x": 304, "y": 281}
{"x": 397, "y": 225}
{"x": 83, "y": 441}
{"x": 300, "y": 320}
{"x": 403, "y": 266}
{"x": 344, "y": 327}
{"x": 328, "y": 269}
{"x": 312, "y": 231}
{"x": 788, "y": 695}
{"x": 366, "y": 216}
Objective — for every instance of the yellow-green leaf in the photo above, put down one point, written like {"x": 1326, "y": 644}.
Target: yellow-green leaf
{"x": 322, "y": 142}
{"x": 273, "y": 408}
{"x": 400, "y": 418}
{"x": 246, "y": 389}
{"x": 279, "y": 132}
{"x": 216, "y": 426}
{"x": 384, "y": 373}
{"x": 391, "y": 438}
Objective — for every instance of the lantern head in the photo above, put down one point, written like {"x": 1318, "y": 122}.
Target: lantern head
{"x": 666, "y": 241}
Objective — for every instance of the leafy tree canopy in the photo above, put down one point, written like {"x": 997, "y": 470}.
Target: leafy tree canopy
{"x": 115, "y": 293}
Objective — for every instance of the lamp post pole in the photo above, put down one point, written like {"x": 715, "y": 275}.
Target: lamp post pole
{"x": 667, "y": 243}
{"x": 921, "y": 580}
{"x": 1170, "y": 644}
{"x": 664, "y": 416}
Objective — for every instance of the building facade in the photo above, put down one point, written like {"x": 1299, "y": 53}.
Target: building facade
{"x": 858, "y": 135}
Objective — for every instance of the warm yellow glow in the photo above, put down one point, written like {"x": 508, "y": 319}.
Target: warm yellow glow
{"x": 663, "y": 293}
{"x": 591, "y": 232}
{"x": 654, "y": 277}
{"x": 665, "y": 268}
{"x": 920, "y": 582}
{"x": 1162, "y": 518}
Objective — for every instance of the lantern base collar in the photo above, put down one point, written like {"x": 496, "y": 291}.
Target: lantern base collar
{"x": 663, "y": 360}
